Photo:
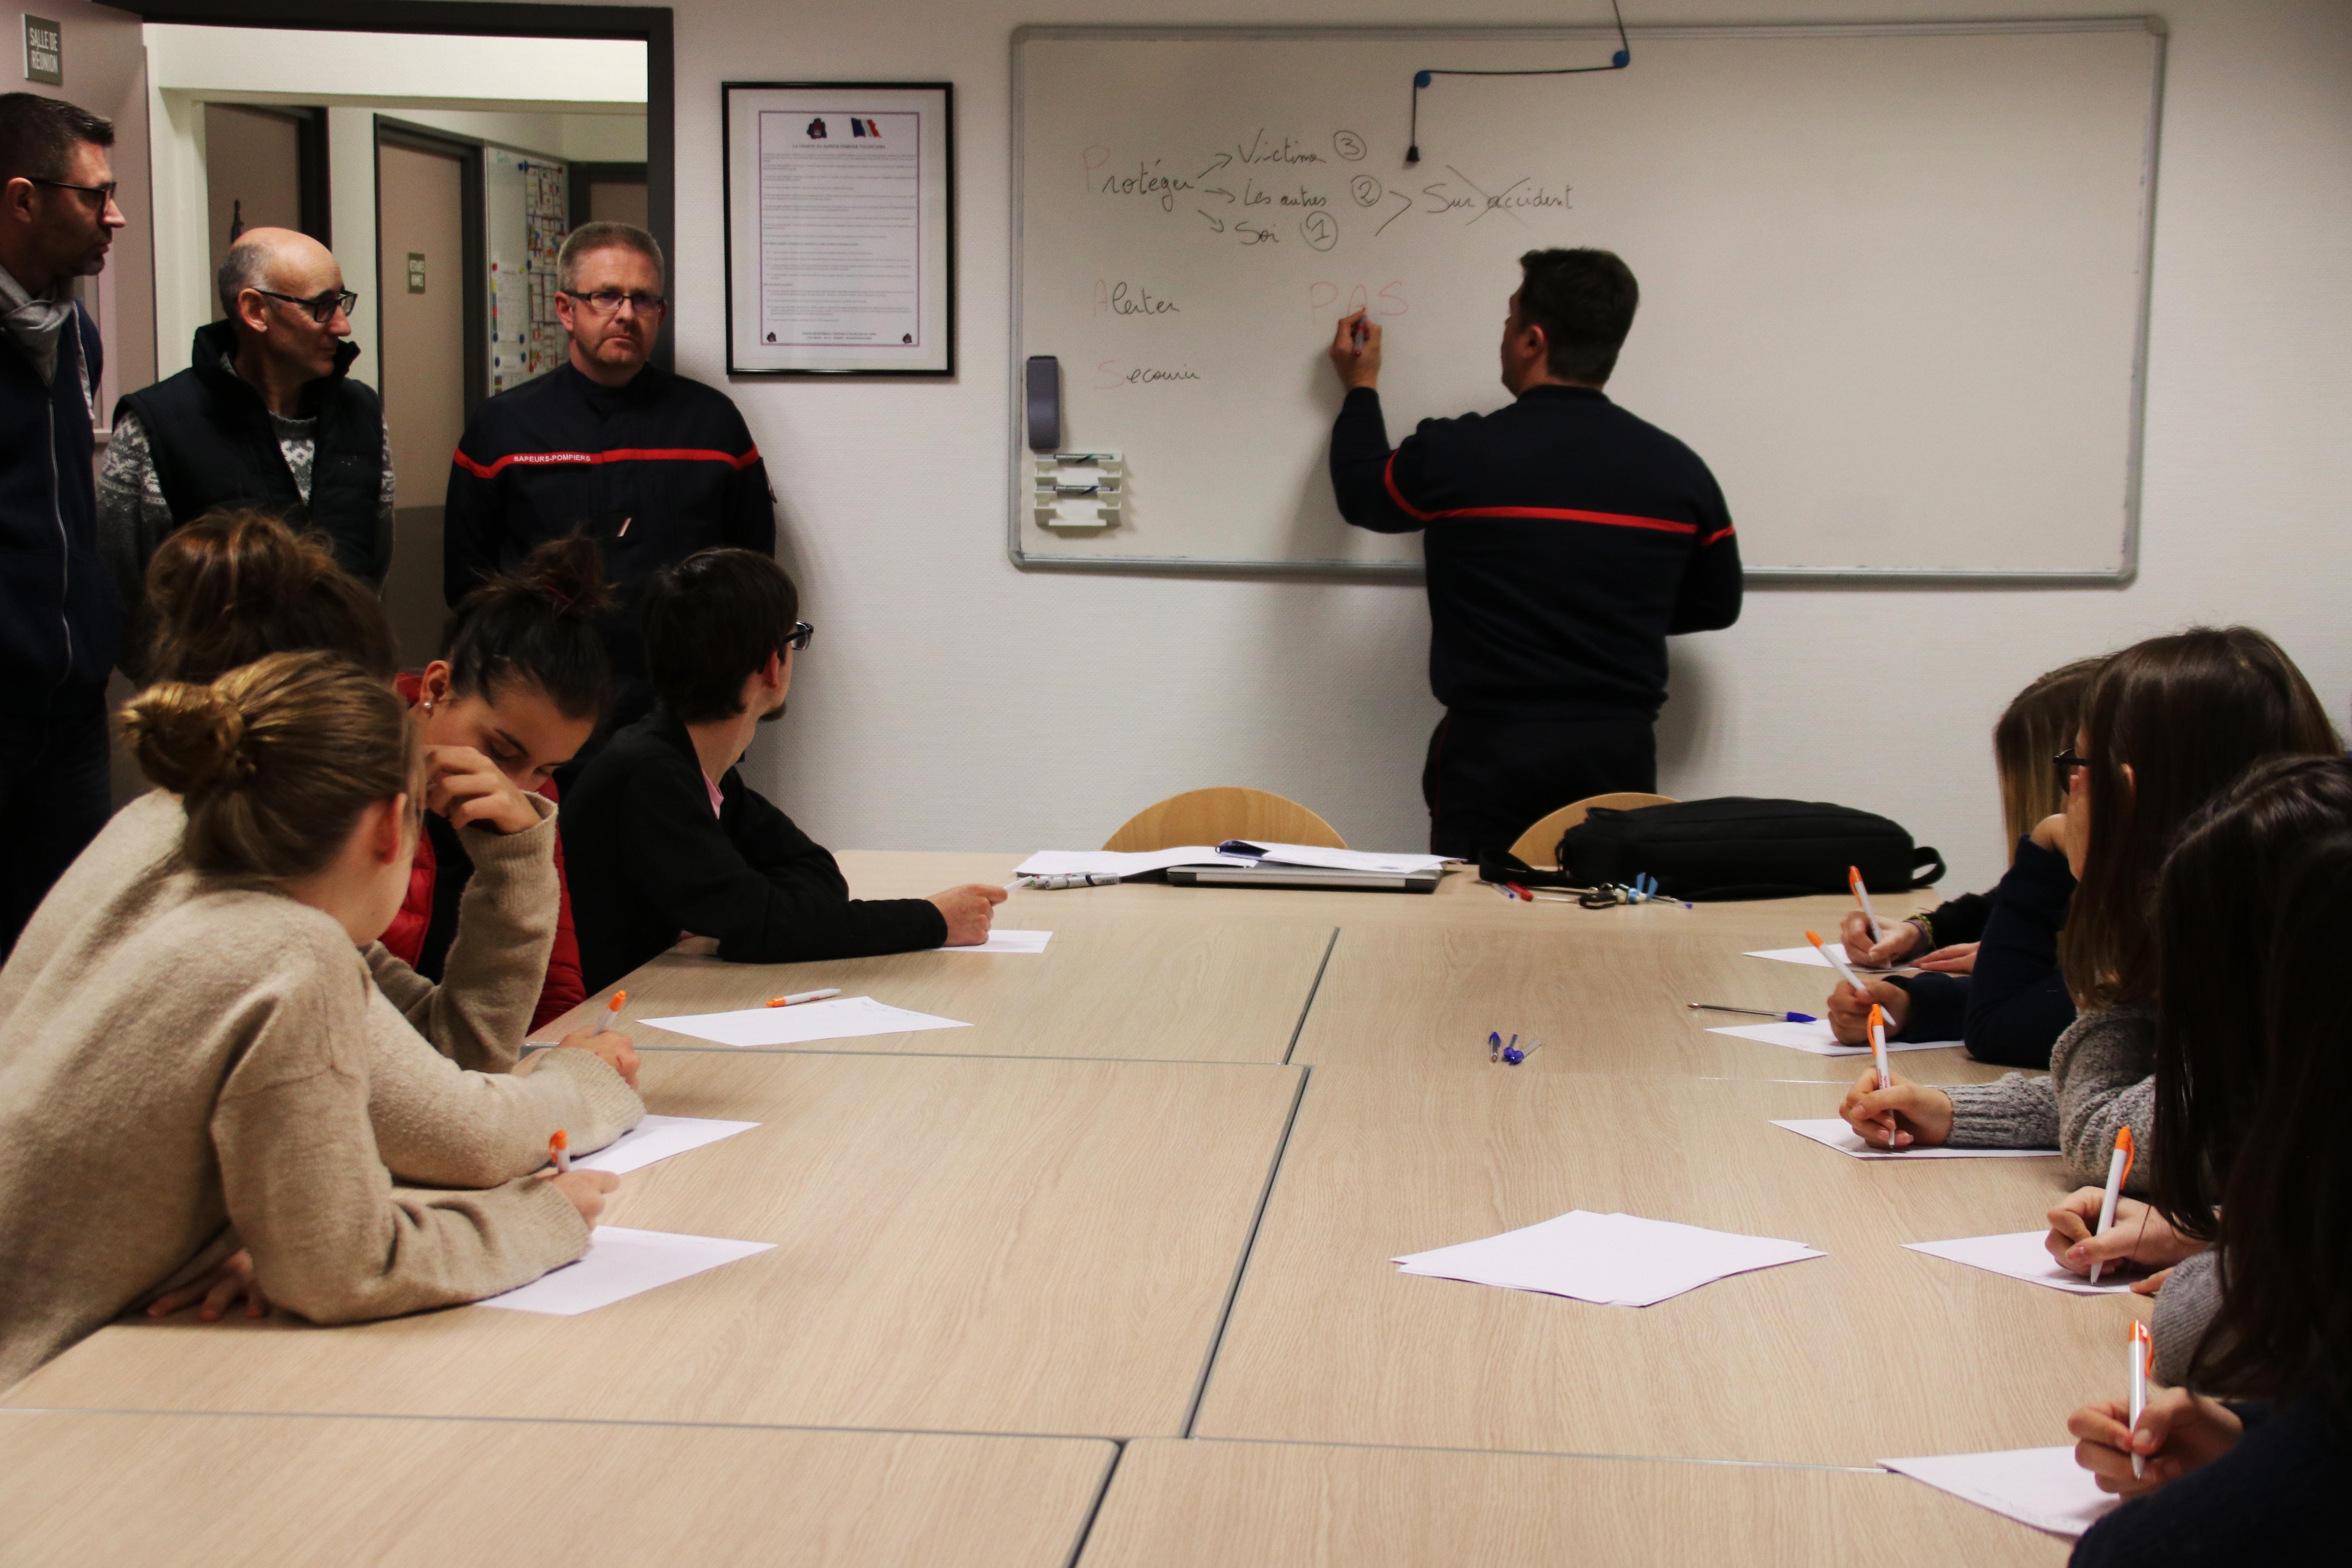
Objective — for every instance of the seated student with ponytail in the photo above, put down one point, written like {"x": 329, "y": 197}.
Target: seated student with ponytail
{"x": 2261, "y": 1481}
{"x": 665, "y": 839}
{"x": 198, "y": 1080}
{"x": 1990, "y": 974}
{"x": 230, "y": 589}
{"x": 521, "y": 680}
{"x": 2168, "y": 724}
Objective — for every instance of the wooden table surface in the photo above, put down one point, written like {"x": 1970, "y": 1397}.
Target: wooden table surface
{"x": 1870, "y": 1351}
{"x": 963, "y": 1243}
{"x": 1604, "y": 997}
{"x": 227, "y": 1492}
{"x": 1151, "y": 1194}
{"x": 1135, "y": 985}
{"x": 1269, "y": 1505}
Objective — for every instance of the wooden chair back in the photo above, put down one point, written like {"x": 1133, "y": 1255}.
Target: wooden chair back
{"x": 1213, "y": 816}
{"x": 1540, "y": 845}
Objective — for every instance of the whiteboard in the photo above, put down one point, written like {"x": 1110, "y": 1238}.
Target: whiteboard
{"x": 1893, "y": 278}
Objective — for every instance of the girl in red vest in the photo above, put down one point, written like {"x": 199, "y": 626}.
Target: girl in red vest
{"x": 521, "y": 682}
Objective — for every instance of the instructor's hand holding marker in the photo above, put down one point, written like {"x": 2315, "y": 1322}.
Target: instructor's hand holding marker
{"x": 1356, "y": 350}
{"x": 969, "y": 910}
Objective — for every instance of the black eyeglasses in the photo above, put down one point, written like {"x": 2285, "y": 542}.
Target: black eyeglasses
{"x": 323, "y": 307}
{"x": 104, "y": 192}
{"x": 799, "y": 636}
{"x": 2067, "y": 763}
{"x": 607, "y": 301}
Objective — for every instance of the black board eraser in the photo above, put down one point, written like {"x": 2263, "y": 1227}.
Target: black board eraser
{"x": 1044, "y": 381}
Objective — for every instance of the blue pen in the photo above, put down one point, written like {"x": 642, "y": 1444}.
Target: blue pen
{"x": 1754, "y": 1012}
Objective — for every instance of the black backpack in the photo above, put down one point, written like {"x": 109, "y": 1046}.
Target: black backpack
{"x": 1737, "y": 848}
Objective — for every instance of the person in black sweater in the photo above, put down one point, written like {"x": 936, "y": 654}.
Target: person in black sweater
{"x": 651, "y": 465}
{"x": 662, "y": 839}
{"x": 1565, "y": 541}
{"x": 1990, "y": 977}
{"x": 2257, "y": 1131}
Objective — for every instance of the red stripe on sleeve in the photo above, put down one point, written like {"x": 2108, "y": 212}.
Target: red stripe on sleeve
{"x": 617, "y": 455}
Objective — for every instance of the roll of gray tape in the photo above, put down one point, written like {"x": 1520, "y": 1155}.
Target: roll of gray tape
{"x": 1045, "y": 385}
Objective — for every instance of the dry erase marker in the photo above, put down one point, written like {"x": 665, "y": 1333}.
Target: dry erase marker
{"x": 613, "y": 1009}
{"x": 2143, "y": 1356}
{"x": 559, "y": 1150}
{"x": 1835, "y": 963}
{"x": 1862, "y": 897}
{"x": 1753, "y": 1012}
{"x": 804, "y": 996}
{"x": 1359, "y": 334}
{"x": 2119, "y": 1164}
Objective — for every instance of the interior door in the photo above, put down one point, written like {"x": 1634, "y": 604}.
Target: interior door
{"x": 421, "y": 269}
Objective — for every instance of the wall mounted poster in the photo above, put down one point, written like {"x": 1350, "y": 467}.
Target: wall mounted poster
{"x": 840, "y": 228}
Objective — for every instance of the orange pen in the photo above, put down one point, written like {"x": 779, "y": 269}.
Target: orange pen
{"x": 1862, "y": 897}
{"x": 2119, "y": 1164}
{"x": 559, "y": 1150}
{"x": 613, "y": 1009}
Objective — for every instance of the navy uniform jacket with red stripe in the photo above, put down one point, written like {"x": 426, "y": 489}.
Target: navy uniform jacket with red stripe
{"x": 653, "y": 471}
{"x": 1565, "y": 541}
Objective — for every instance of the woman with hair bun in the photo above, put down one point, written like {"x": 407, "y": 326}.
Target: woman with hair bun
{"x": 521, "y": 680}
{"x": 196, "y": 1078}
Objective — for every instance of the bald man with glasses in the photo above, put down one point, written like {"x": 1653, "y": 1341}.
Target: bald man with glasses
{"x": 266, "y": 416}
{"x": 651, "y": 465}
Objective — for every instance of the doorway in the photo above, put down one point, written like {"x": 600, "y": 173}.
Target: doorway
{"x": 429, "y": 236}
{"x": 265, "y": 168}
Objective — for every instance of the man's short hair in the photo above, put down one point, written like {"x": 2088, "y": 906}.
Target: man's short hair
{"x": 1584, "y": 302}
{"x": 38, "y": 135}
{"x": 591, "y": 238}
{"x": 709, "y": 624}
{"x": 244, "y": 267}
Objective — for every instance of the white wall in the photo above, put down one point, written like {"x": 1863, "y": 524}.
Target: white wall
{"x": 951, "y": 701}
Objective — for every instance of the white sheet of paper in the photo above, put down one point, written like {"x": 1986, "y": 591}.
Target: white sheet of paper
{"x": 1092, "y": 862}
{"x": 1613, "y": 1259}
{"x": 838, "y": 1018}
{"x": 2021, "y": 1255}
{"x": 1008, "y": 942}
{"x": 1818, "y": 1038}
{"x": 658, "y": 1138}
{"x": 1335, "y": 860}
{"x": 1809, "y": 954}
{"x": 622, "y": 1263}
{"x": 1833, "y": 1132}
{"x": 2041, "y": 1487}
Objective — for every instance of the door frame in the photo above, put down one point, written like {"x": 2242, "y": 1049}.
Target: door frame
{"x": 648, "y": 25}
{"x": 473, "y": 242}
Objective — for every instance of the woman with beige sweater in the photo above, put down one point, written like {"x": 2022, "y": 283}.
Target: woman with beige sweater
{"x": 450, "y": 1105}
{"x": 192, "y": 1068}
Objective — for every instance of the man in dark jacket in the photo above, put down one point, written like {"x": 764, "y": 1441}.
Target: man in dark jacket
{"x": 266, "y": 416}
{"x": 650, "y": 464}
{"x": 60, "y": 617}
{"x": 662, "y": 839}
{"x": 1565, "y": 541}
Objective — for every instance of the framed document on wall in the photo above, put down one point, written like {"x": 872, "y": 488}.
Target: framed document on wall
{"x": 840, "y": 227}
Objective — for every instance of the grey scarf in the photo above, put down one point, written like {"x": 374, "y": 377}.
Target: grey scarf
{"x": 37, "y": 323}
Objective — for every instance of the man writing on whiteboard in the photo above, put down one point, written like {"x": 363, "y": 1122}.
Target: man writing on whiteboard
{"x": 1565, "y": 540}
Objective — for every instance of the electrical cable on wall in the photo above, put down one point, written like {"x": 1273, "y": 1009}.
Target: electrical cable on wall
{"x": 1420, "y": 78}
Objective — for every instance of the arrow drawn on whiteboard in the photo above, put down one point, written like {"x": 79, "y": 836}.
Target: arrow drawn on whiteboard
{"x": 1406, "y": 208}
{"x": 1222, "y": 159}
{"x": 1216, "y": 224}
{"x": 1218, "y": 191}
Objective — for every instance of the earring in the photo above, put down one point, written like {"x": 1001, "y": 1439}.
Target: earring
{"x": 428, "y": 705}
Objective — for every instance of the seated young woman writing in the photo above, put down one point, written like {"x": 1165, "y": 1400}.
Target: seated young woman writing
{"x": 522, "y": 679}
{"x": 1991, "y": 976}
{"x": 2258, "y": 1481}
{"x": 230, "y": 589}
{"x": 197, "y": 1079}
{"x": 2168, "y": 724}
